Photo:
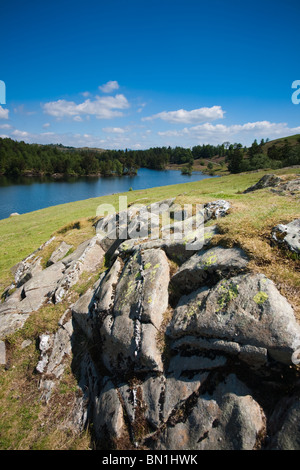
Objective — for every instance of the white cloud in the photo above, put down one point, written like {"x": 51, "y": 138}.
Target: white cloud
{"x": 20, "y": 134}
{"x": 3, "y": 113}
{"x": 244, "y": 133}
{"x": 47, "y": 124}
{"x": 102, "y": 107}
{"x": 109, "y": 86}
{"x": 114, "y": 130}
{"x": 5, "y": 126}
{"x": 189, "y": 117}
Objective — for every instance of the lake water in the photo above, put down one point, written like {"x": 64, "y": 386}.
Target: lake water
{"x": 30, "y": 194}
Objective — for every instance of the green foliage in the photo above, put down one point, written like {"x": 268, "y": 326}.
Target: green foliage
{"x": 259, "y": 156}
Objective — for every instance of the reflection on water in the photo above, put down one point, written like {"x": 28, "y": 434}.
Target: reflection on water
{"x": 27, "y": 194}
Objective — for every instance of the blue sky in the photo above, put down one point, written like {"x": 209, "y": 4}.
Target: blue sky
{"x": 141, "y": 73}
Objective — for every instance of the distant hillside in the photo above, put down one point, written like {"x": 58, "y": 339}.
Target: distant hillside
{"x": 274, "y": 154}
{"x": 293, "y": 140}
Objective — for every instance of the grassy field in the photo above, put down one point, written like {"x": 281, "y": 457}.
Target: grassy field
{"x": 252, "y": 214}
{"x": 27, "y": 423}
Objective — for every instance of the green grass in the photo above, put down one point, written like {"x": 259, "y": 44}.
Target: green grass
{"x": 21, "y": 235}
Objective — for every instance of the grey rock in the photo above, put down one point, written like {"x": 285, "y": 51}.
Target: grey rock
{"x": 147, "y": 355}
{"x": 39, "y": 289}
{"x": 252, "y": 355}
{"x": 59, "y": 253}
{"x": 288, "y": 235}
{"x": 284, "y": 425}
{"x": 81, "y": 312}
{"x": 77, "y": 254}
{"x": 11, "y": 322}
{"x": 128, "y": 394}
{"x": 229, "y": 419}
{"x": 109, "y": 420}
{"x": 25, "y": 270}
{"x": 55, "y": 348}
{"x": 266, "y": 181}
{"x": 179, "y": 229}
{"x": 2, "y": 353}
{"x": 161, "y": 206}
{"x": 136, "y": 222}
{"x": 61, "y": 347}
{"x": 87, "y": 258}
{"x": 216, "y": 209}
{"x": 118, "y": 346}
{"x": 26, "y": 343}
{"x": 177, "y": 250}
{"x": 153, "y": 392}
{"x": 141, "y": 298}
{"x": 182, "y": 363}
{"x": 288, "y": 188}
{"x": 193, "y": 241}
{"x": 178, "y": 390}
{"x": 105, "y": 293}
{"x": 209, "y": 266}
{"x": 246, "y": 309}
{"x": 45, "y": 344}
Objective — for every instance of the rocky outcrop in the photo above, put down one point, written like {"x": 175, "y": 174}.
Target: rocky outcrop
{"x": 178, "y": 345}
{"x": 277, "y": 185}
{"x": 267, "y": 181}
{"x": 288, "y": 188}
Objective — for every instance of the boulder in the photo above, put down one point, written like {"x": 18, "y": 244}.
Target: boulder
{"x": 141, "y": 298}
{"x": 108, "y": 412}
{"x": 207, "y": 267}
{"x": 284, "y": 425}
{"x": 266, "y": 181}
{"x": 81, "y": 313}
{"x": 227, "y": 419}
{"x": 216, "y": 209}
{"x": 26, "y": 269}
{"x": 59, "y": 253}
{"x": 11, "y": 322}
{"x": 246, "y": 309}
{"x": 288, "y": 236}
{"x": 88, "y": 257}
{"x": 39, "y": 289}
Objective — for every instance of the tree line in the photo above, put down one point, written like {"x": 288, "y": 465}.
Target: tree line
{"x": 20, "y": 158}
{"x": 280, "y": 154}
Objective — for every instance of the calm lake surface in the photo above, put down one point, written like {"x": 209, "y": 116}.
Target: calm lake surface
{"x": 30, "y": 194}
